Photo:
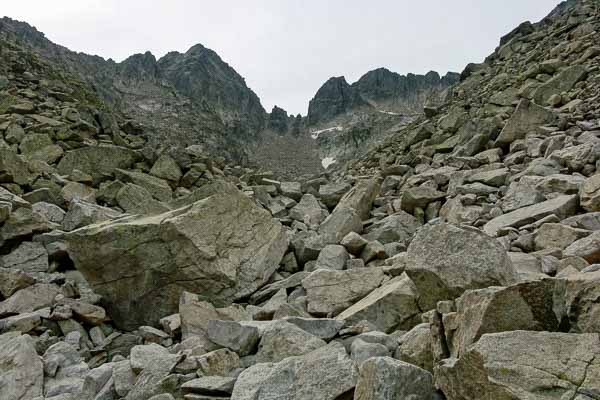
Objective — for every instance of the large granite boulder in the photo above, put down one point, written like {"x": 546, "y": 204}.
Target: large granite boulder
{"x": 524, "y": 365}
{"x": 222, "y": 247}
{"x": 444, "y": 260}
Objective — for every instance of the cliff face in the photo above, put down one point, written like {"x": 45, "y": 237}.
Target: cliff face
{"x": 377, "y": 90}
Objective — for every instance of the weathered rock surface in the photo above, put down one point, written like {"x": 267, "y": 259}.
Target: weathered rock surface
{"x": 522, "y": 365}
{"x": 223, "y": 247}
{"x": 444, "y": 260}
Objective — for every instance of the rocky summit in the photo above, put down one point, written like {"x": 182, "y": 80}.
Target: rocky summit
{"x": 162, "y": 237}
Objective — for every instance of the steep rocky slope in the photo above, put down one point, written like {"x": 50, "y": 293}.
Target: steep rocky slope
{"x": 457, "y": 260}
{"x": 181, "y": 99}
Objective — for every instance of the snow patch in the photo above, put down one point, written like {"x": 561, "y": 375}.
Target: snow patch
{"x": 327, "y": 161}
{"x": 315, "y": 134}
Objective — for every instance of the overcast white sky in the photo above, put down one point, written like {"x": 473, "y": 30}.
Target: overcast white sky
{"x": 287, "y": 48}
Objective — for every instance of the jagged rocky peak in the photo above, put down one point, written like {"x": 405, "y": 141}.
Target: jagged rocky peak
{"x": 140, "y": 66}
{"x": 201, "y": 74}
{"x": 279, "y": 120}
{"x": 335, "y": 97}
{"x": 381, "y": 90}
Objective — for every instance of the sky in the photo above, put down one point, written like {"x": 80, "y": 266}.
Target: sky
{"x": 286, "y": 49}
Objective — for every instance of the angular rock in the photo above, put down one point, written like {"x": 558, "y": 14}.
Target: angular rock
{"x": 561, "y": 206}
{"x": 324, "y": 374}
{"x": 588, "y": 248}
{"x": 330, "y": 292}
{"x": 239, "y": 338}
{"x": 99, "y": 161}
{"x": 332, "y": 256}
{"x": 21, "y": 370}
{"x": 28, "y": 257}
{"x": 524, "y": 365}
{"x": 444, "y": 260}
{"x": 527, "y": 117}
{"x": 332, "y": 193}
{"x": 320, "y": 327}
{"x": 399, "y": 227}
{"x": 391, "y": 307}
{"x": 309, "y": 211}
{"x": 590, "y": 194}
{"x": 283, "y": 339}
{"x": 419, "y": 197}
{"x": 383, "y": 378}
{"x": 158, "y": 188}
{"x": 223, "y": 247}
{"x": 527, "y": 306}
{"x": 415, "y": 347}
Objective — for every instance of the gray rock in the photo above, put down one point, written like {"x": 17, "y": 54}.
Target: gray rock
{"x": 332, "y": 193}
{"x": 82, "y": 213}
{"x": 309, "y": 211}
{"x": 527, "y": 117}
{"x": 239, "y": 338}
{"x": 588, "y": 248}
{"x": 562, "y": 82}
{"x": 419, "y": 197}
{"x": 399, "y": 227}
{"x": 361, "y": 351}
{"x": 226, "y": 248}
{"x": 293, "y": 190}
{"x": 98, "y": 161}
{"x": 135, "y": 199}
{"x": 30, "y": 299}
{"x": 557, "y": 236}
{"x": 444, "y": 260}
{"x": 210, "y": 385}
{"x": 28, "y": 257}
{"x": 158, "y": 188}
{"x": 526, "y": 306}
{"x": 390, "y": 307}
{"x": 415, "y": 347}
{"x": 324, "y": 374}
{"x": 219, "y": 362}
{"x": 152, "y": 356}
{"x": 383, "y": 378}
{"x": 561, "y": 206}
{"x": 12, "y": 281}
{"x": 166, "y": 168}
{"x": 51, "y": 212}
{"x": 323, "y": 328}
{"x": 283, "y": 339}
{"x": 330, "y": 292}
{"x": 332, "y": 256}
{"x": 354, "y": 243}
{"x": 21, "y": 370}
{"x": 590, "y": 194}
{"x": 500, "y": 365}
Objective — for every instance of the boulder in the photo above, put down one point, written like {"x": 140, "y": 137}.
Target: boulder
{"x": 399, "y": 227}
{"x": 590, "y": 194}
{"x": 561, "y": 206}
{"x": 419, "y": 197}
{"x": 524, "y": 365}
{"x": 309, "y": 211}
{"x": 383, "y": 378}
{"x": 330, "y": 292}
{"x": 239, "y": 338}
{"x": 27, "y": 257}
{"x": 283, "y": 339}
{"x": 333, "y": 256}
{"x": 390, "y": 307}
{"x": 98, "y": 161}
{"x": 324, "y": 374}
{"x": 158, "y": 188}
{"x": 527, "y": 117}
{"x": 588, "y": 248}
{"x": 166, "y": 168}
{"x": 415, "y": 347}
{"x": 561, "y": 83}
{"x": 332, "y": 193}
{"x": 223, "y": 247}
{"x": 444, "y": 260}
{"x": 526, "y": 306}
{"x": 82, "y": 213}
{"x": 21, "y": 369}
